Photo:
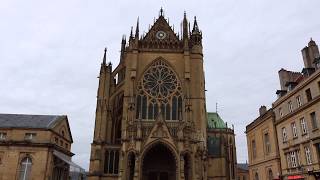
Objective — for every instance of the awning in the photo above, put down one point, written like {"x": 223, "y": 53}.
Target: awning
{"x": 295, "y": 177}
{"x": 63, "y": 157}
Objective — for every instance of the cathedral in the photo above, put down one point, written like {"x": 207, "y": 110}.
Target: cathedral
{"x": 151, "y": 120}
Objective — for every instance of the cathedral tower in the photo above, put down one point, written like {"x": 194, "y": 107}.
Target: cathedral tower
{"x": 151, "y": 113}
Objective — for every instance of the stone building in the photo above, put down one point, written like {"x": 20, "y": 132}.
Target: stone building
{"x": 262, "y": 142}
{"x": 151, "y": 120}
{"x": 222, "y": 161}
{"x": 296, "y": 115}
{"x": 242, "y": 171}
{"x": 34, "y": 147}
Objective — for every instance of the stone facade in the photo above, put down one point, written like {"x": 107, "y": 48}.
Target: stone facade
{"x": 151, "y": 120}
{"x": 296, "y": 118}
{"x": 264, "y": 160}
{"x": 242, "y": 171}
{"x": 34, "y": 147}
{"x": 222, "y": 160}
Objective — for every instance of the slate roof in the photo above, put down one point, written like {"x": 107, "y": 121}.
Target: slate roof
{"x": 29, "y": 121}
{"x": 215, "y": 121}
{"x": 243, "y": 166}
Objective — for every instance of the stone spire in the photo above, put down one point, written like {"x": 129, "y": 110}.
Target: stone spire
{"x": 137, "y": 29}
{"x": 195, "y": 29}
{"x": 104, "y": 56}
{"x": 185, "y": 26}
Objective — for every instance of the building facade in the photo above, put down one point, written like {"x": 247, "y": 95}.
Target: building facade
{"x": 296, "y": 115}
{"x": 242, "y": 171}
{"x": 264, "y": 160}
{"x": 151, "y": 120}
{"x": 34, "y": 147}
{"x": 222, "y": 160}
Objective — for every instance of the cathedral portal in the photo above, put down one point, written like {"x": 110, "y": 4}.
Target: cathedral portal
{"x": 159, "y": 163}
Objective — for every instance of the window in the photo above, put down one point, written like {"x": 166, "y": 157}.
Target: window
{"x": 256, "y": 176}
{"x": 25, "y": 169}
{"x": 159, "y": 88}
{"x": 293, "y": 159}
{"x": 308, "y": 155}
{"x": 284, "y": 135}
{"x": 111, "y": 164}
{"x": 30, "y": 136}
{"x": 314, "y": 120}
{"x": 267, "y": 143}
{"x": 270, "y": 174}
{"x": 288, "y": 161}
{"x": 303, "y": 126}
{"x": 299, "y": 102}
{"x": 56, "y": 140}
{"x": 294, "y": 130}
{"x": 308, "y": 94}
{"x": 3, "y": 136}
{"x": 280, "y": 112}
{"x": 290, "y": 106}
{"x": 254, "y": 149}
{"x": 319, "y": 85}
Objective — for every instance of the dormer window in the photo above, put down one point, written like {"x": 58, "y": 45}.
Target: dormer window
{"x": 291, "y": 85}
{"x": 3, "y": 136}
{"x": 30, "y": 136}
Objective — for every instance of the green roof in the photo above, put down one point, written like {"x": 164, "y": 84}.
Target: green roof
{"x": 215, "y": 121}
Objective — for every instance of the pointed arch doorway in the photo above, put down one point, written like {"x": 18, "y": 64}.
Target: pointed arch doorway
{"x": 159, "y": 163}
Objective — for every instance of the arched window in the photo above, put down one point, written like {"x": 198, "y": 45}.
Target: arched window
{"x": 25, "y": 168}
{"x": 159, "y": 90}
{"x": 270, "y": 174}
{"x": 256, "y": 176}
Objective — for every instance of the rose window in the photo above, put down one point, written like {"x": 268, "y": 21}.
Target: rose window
{"x": 159, "y": 91}
{"x": 159, "y": 81}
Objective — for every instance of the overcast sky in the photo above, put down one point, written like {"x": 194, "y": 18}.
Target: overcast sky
{"x": 50, "y": 54}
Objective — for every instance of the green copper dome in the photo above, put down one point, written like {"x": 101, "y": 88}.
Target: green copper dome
{"x": 215, "y": 121}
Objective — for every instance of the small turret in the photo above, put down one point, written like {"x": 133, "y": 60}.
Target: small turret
{"x": 196, "y": 35}
{"x": 310, "y": 53}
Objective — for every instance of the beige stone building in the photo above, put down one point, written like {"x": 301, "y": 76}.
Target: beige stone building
{"x": 242, "y": 171}
{"x": 295, "y": 116}
{"x": 151, "y": 119}
{"x": 222, "y": 160}
{"x": 264, "y": 160}
{"x": 34, "y": 147}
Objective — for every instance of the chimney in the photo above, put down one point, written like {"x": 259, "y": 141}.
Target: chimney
{"x": 309, "y": 54}
{"x": 262, "y": 110}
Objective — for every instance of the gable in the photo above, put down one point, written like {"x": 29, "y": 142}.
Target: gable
{"x": 63, "y": 129}
{"x": 161, "y": 32}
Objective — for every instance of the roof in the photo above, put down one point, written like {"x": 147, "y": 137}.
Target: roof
{"x": 243, "y": 166}
{"x": 215, "y": 121}
{"x": 29, "y": 121}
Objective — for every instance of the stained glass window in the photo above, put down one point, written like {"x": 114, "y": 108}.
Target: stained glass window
{"x": 159, "y": 90}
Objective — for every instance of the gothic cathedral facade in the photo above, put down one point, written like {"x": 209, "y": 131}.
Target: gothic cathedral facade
{"x": 151, "y": 119}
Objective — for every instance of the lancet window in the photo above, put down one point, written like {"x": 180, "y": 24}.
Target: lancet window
{"x": 159, "y": 91}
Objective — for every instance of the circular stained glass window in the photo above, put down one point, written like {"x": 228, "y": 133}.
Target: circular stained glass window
{"x": 159, "y": 81}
